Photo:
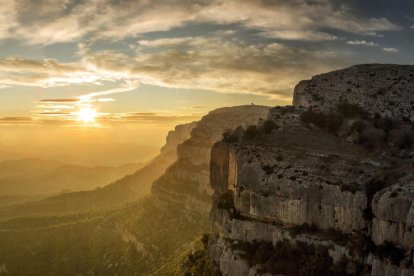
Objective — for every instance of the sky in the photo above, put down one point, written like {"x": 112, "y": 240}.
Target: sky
{"x": 127, "y": 71}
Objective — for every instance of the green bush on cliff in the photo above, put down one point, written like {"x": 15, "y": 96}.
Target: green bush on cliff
{"x": 269, "y": 126}
{"x": 251, "y": 132}
{"x": 351, "y": 111}
{"x": 229, "y": 136}
{"x": 331, "y": 121}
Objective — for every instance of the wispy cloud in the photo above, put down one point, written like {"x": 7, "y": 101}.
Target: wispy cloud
{"x": 60, "y": 100}
{"x": 144, "y": 117}
{"x": 15, "y": 119}
{"x": 128, "y": 86}
{"x": 390, "y": 50}
{"x": 12, "y": 121}
{"x": 363, "y": 42}
{"x": 44, "y": 73}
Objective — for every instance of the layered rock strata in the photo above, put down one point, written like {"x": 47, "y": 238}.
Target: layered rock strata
{"x": 299, "y": 184}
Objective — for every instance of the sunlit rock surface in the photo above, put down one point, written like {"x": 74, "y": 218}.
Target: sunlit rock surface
{"x": 189, "y": 176}
{"x": 300, "y": 184}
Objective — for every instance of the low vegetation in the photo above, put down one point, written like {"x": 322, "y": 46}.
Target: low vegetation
{"x": 99, "y": 243}
{"x": 389, "y": 251}
{"x": 199, "y": 262}
{"x": 286, "y": 258}
{"x": 251, "y": 133}
{"x": 332, "y": 121}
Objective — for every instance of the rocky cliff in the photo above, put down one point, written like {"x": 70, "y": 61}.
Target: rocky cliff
{"x": 323, "y": 187}
{"x": 189, "y": 177}
{"x": 378, "y": 88}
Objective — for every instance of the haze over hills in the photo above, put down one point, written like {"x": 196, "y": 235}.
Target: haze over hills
{"x": 126, "y": 189}
{"x": 45, "y": 177}
{"x": 107, "y": 237}
{"x": 77, "y": 153}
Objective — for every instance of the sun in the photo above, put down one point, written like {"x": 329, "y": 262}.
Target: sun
{"x": 87, "y": 115}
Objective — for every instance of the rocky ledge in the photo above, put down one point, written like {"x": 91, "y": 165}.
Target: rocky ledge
{"x": 323, "y": 187}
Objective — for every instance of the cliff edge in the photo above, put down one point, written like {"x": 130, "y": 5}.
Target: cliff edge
{"x": 323, "y": 187}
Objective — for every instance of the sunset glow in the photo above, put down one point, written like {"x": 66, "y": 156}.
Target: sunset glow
{"x": 87, "y": 115}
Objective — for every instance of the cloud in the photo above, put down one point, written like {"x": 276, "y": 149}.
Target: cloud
{"x": 16, "y": 119}
{"x": 159, "y": 118}
{"x": 363, "y": 42}
{"x": 54, "y": 21}
{"x": 12, "y": 121}
{"x": 143, "y": 114}
{"x": 54, "y": 113}
{"x": 165, "y": 42}
{"x": 60, "y": 100}
{"x": 390, "y": 50}
{"x": 128, "y": 86}
{"x": 212, "y": 63}
{"x": 199, "y": 107}
{"x": 44, "y": 73}
{"x": 207, "y": 63}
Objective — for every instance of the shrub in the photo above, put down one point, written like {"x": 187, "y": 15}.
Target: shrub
{"x": 303, "y": 229}
{"x": 269, "y": 126}
{"x": 372, "y": 137}
{"x": 386, "y": 124}
{"x": 388, "y": 250}
{"x": 402, "y": 138}
{"x": 286, "y": 258}
{"x": 251, "y": 132}
{"x": 331, "y": 121}
{"x": 268, "y": 169}
{"x": 351, "y": 110}
{"x": 359, "y": 126}
{"x": 199, "y": 262}
{"x": 229, "y": 136}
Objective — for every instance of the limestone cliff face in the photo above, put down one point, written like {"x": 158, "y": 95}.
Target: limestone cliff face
{"x": 378, "y": 88}
{"x": 187, "y": 180}
{"x": 302, "y": 185}
{"x": 177, "y": 136}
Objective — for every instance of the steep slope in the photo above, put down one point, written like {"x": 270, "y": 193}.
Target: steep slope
{"x": 321, "y": 191}
{"x": 126, "y": 189}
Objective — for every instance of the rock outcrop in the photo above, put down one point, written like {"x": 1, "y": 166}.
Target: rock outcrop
{"x": 315, "y": 184}
{"x": 378, "y": 88}
{"x": 187, "y": 180}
